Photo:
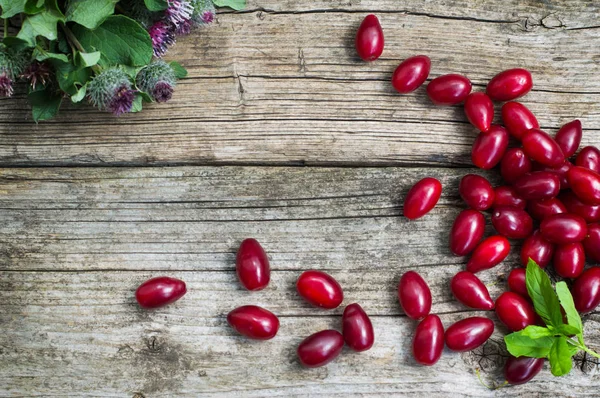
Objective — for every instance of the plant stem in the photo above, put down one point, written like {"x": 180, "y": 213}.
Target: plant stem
{"x": 5, "y": 28}
{"x": 584, "y": 348}
{"x": 73, "y": 42}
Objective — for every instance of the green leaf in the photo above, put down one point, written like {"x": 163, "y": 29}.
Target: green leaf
{"x": 42, "y": 24}
{"x": 519, "y": 344}
{"x": 542, "y": 294}
{"x": 15, "y": 43}
{"x": 43, "y": 56}
{"x": 69, "y": 77}
{"x": 235, "y": 4}
{"x": 535, "y": 332}
{"x": 88, "y": 59}
{"x": 10, "y": 8}
{"x": 90, "y": 13}
{"x": 180, "y": 71}
{"x": 560, "y": 357}
{"x": 137, "y": 104}
{"x": 121, "y": 40}
{"x": 79, "y": 95}
{"x": 156, "y": 5}
{"x": 145, "y": 96}
{"x": 569, "y": 330}
{"x": 44, "y": 103}
{"x": 34, "y": 6}
{"x": 566, "y": 301}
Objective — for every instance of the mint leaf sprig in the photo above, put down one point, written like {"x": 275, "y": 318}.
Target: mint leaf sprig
{"x": 558, "y": 341}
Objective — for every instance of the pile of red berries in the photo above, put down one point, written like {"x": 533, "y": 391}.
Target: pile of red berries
{"x": 542, "y": 186}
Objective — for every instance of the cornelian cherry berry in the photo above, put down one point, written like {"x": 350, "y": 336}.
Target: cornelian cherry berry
{"x": 509, "y": 84}
{"x": 357, "y": 328}
{"x": 414, "y": 295}
{"x": 489, "y": 148}
{"x": 411, "y": 74}
{"x": 476, "y": 191}
{"x": 448, "y": 89}
{"x": 479, "y": 110}
{"x": 514, "y": 164}
{"x": 466, "y": 232}
{"x": 489, "y": 253}
{"x": 320, "y": 289}
{"x": 469, "y": 290}
{"x": 568, "y": 137}
{"x": 369, "y": 39}
{"x": 469, "y": 333}
{"x": 252, "y": 265}
{"x": 428, "y": 340}
{"x": 518, "y": 119}
{"x": 254, "y": 322}
{"x": 422, "y": 198}
{"x": 160, "y": 291}
{"x": 320, "y": 348}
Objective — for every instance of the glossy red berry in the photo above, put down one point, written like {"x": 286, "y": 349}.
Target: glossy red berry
{"x": 469, "y": 333}
{"x": 542, "y": 148}
{"x": 589, "y": 157}
{"x": 422, "y": 197}
{"x": 515, "y": 311}
{"x": 414, "y": 295}
{"x": 369, "y": 39}
{"x": 540, "y": 209}
{"x": 357, "y": 328}
{"x": 563, "y": 228}
{"x": 252, "y": 265}
{"x": 522, "y": 369}
{"x": 254, "y": 322}
{"x": 470, "y": 291}
{"x": 568, "y": 137}
{"x": 479, "y": 110}
{"x": 507, "y": 196}
{"x": 320, "y": 289}
{"x": 516, "y": 282}
{"x": 448, "y": 89}
{"x": 320, "y": 348}
{"x": 159, "y": 291}
{"x": 585, "y": 183}
{"x": 509, "y": 85}
{"x": 560, "y": 171}
{"x": 586, "y": 290}
{"x": 518, "y": 119}
{"x": 512, "y": 222}
{"x": 590, "y": 213}
{"x": 476, "y": 191}
{"x": 489, "y": 253}
{"x": 428, "y": 341}
{"x": 411, "y": 73}
{"x": 569, "y": 260}
{"x": 514, "y": 164}
{"x": 489, "y": 148}
{"x": 466, "y": 232}
{"x": 591, "y": 243}
{"x": 537, "y": 185}
{"x": 538, "y": 249}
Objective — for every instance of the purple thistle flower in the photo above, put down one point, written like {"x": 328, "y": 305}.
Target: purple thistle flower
{"x": 163, "y": 91}
{"x": 208, "y": 16}
{"x": 184, "y": 28}
{"x": 204, "y": 12}
{"x": 178, "y": 11}
{"x": 36, "y": 72}
{"x": 158, "y": 80}
{"x": 162, "y": 36}
{"x": 6, "y": 85}
{"x": 122, "y": 101}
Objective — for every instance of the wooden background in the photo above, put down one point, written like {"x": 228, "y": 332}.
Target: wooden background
{"x": 86, "y": 215}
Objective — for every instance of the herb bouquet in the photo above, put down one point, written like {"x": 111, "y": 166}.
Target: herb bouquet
{"x": 108, "y": 52}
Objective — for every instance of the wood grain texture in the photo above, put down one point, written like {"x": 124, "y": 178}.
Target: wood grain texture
{"x": 76, "y": 242}
{"x": 280, "y": 84}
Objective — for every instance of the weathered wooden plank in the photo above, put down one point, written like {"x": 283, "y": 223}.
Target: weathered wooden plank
{"x": 301, "y": 97}
{"x": 81, "y": 333}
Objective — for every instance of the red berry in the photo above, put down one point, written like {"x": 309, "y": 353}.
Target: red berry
{"x": 563, "y": 228}
{"x": 469, "y": 290}
{"x": 569, "y": 260}
{"x": 489, "y": 148}
{"x": 369, "y": 39}
{"x": 254, "y": 322}
{"x": 575, "y": 206}
{"x": 514, "y": 164}
{"x": 428, "y": 341}
{"x": 476, "y": 191}
{"x": 159, "y": 291}
{"x": 568, "y": 137}
{"x": 512, "y": 222}
{"x": 515, "y": 311}
{"x": 560, "y": 171}
{"x": 320, "y": 289}
{"x": 540, "y": 209}
{"x": 537, "y": 185}
{"x": 448, "y": 89}
{"x": 516, "y": 282}
{"x": 479, "y": 110}
{"x": 509, "y": 84}
{"x": 518, "y": 119}
{"x": 542, "y": 148}
{"x": 357, "y": 328}
{"x": 252, "y": 265}
{"x": 489, "y": 253}
{"x": 320, "y": 348}
{"x": 591, "y": 243}
{"x": 586, "y": 290}
{"x": 414, "y": 295}
{"x": 411, "y": 73}
{"x": 507, "y": 196}
{"x": 589, "y": 157}
{"x": 538, "y": 249}
{"x": 466, "y": 232}
{"x": 522, "y": 369}
{"x": 585, "y": 183}
{"x": 469, "y": 333}
{"x": 422, "y": 197}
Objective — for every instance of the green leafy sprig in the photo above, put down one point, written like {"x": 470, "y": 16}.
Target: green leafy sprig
{"x": 558, "y": 341}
